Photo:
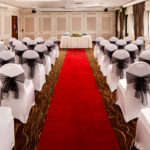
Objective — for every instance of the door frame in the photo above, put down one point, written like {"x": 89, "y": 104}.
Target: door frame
{"x": 12, "y": 25}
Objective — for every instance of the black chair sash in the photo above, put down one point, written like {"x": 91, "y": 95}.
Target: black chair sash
{"x": 42, "y": 57}
{"x": 140, "y": 47}
{"x": 32, "y": 46}
{"x": 121, "y": 64}
{"x": 3, "y": 62}
{"x": 31, "y": 63}
{"x": 97, "y": 43}
{"x": 140, "y": 84}
{"x": 133, "y": 55}
{"x": 56, "y": 42}
{"x": 109, "y": 54}
{"x": 19, "y": 54}
{"x": 102, "y": 48}
{"x": 40, "y": 42}
{"x": 144, "y": 60}
{"x": 50, "y": 48}
{"x": 112, "y": 42}
{"x": 121, "y": 46}
{"x": 10, "y": 84}
{"x": 25, "y": 43}
{"x": 128, "y": 42}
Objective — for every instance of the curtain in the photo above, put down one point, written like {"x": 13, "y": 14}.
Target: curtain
{"x": 138, "y": 13}
{"x": 122, "y": 22}
{"x": 116, "y": 23}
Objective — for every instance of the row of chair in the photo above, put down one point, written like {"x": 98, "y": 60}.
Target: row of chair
{"x": 126, "y": 67}
{"x": 23, "y": 67}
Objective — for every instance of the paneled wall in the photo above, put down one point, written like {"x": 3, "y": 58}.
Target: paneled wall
{"x": 55, "y": 24}
{"x": 5, "y": 23}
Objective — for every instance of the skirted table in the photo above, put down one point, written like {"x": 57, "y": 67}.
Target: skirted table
{"x": 76, "y": 42}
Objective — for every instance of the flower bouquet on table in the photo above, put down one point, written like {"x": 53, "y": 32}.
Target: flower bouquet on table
{"x": 76, "y": 35}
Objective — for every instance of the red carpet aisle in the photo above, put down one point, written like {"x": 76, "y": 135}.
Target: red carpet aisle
{"x": 77, "y": 119}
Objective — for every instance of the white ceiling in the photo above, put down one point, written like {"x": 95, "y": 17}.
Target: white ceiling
{"x": 68, "y": 4}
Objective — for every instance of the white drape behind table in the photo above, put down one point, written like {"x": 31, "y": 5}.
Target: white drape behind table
{"x": 76, "y": 42}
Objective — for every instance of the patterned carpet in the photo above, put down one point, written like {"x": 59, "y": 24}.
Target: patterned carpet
{"x": 27, "y": 135}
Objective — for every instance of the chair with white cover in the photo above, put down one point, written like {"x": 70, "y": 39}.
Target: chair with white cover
{"x": 121, "y": 43}
{"x": 16, "y": 43}
{"x": 39, "y": 40}
{"x": 128, "y": 40}
{"x": 11, "y": 40}
{"x": 31, "y": 44}
{"x": 145, "y": 57}
{"x": 19, "y": 50}
{"x": 108, "y": 52}
{"x": 2, "y": 42}
{"x": 147, "y": 47}
{"x": 113, "y": 40}
{"x": 6, "y": 57}
{"x": 133, "y": 92}
{"x": 116, "y": 70}
{"x": 56, "y": 46}
{"x": 96, "y": 47}
{"x": 3, "y": 47}
{"x": 143, "y": 130}
{"x": 33, "y": 69}
{"x": 51, "y": 50}
{"x": 26, "y": 40}
{"x": 7, "y": 137}
{"x": 100, "y": 55}
{"x": 16, "y": 92}
{"x": 141, "y": 38}
{"x": 133, "y": 51}
{"x": 140, "y": 45}
{"x": 42, "y": 50}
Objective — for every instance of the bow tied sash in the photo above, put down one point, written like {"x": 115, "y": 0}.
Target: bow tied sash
{"x": 141, "y": 86}
{"x": 42, "y": 56}
{"x": 3, "y": 62}
{"x": 109, "y": 54}
{"x": 19, "y": 54}
{"x": 140, "y": 47}
{"x": 121, "y": 46}
{"x": 133, "y": 55}
{"x": 121, "y": 64}
{"x": 102, "y": 48}
{"x": 50, "y": 48}
{"x": 10, "y": 84}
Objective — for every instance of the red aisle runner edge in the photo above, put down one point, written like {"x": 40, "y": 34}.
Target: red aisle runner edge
{"x": 77, "y": 119}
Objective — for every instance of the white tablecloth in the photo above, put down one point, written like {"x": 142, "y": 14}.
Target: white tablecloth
{"x": 76, "y": 42}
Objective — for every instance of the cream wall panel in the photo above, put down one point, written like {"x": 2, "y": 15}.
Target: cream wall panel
{"x": 7, "y": 25}
{"x": 0, "y": 25}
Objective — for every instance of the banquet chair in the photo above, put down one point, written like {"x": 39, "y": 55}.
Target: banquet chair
{"x": 11, "y": 40}
{"x": 3, "y": 47}
{"x": 1, "y": 42}
{"x": 147, "y": 47}
{"x": 108, "y": 52}
{"x": 116, "y": 70}
{"x": 42, "y": 50}
{"x": 139, "y": 44}
{"x": 121, "y": 44}
{"x": 96, "y": 47}
{"x": 39, "y": 40}
{"x": 113, "y": 40}
{"x": 143, "y": 39}
{"x": 128, "y": 40}
{"x": 143, "y": 130}
{"x": 19, "y": 50}
{"x": 51, "y": 50}
{"x": 16, "y": 92}
{"x": 133, "y": 51}
{"x": 31, "y": 44}
{"x": 6, "y": 57}
{"x": 145, "y": 57}
{"x": 100, "y": 55}
{"x": 132, "y": 92}
{"x": 26, "y": 40}
{"x": 16, "y": 43}
{"x": 56, "y": 46}
{"x": 7, "y": 137}
{"x": 33, "y": 69}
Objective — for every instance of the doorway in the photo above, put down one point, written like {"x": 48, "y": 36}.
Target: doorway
{"x": 15, "y": 27}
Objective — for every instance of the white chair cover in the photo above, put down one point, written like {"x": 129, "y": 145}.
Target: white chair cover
{"x": 141, "y": 38}
{"x": 39, "y": 40}
{"x": 108, "y": 51}
{"x": 26, "y": 40}
{"x": 121, "y": 44}
{"x": 2, "y": 42}
{"x": 100, "y": 55}
{"x": 113, "y": 74}
{"x": 147, "y": 47}
{"x": 7, "y": 137}
{"x": 113, "y": 40}
{"x": 96, "y": 47}
{"x": 128, "y": 40}
{"x": 19, "y": 49}
{"x": 140, "y": 45}
{"x": 39, "y": 76}
{"x": 31, "y": 44}
{"x": 133, "y": 50}
{"x": 143, "y": 130}
{"x": 3, "y": 47}
{"x": 41, "y": 48}
{"x": 22, "y": 105}
{"x": 52, "y": 52}
{"x": 145, "y": 57}
{"x": 56, "y": 47}
{"x": 129, "y": 104}
{"x": 11, "y": 40}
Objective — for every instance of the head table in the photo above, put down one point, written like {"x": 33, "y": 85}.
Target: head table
{"x": 76, "y": 42}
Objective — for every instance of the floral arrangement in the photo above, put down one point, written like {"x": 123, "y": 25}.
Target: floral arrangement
{"x": 76, "y": 35}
